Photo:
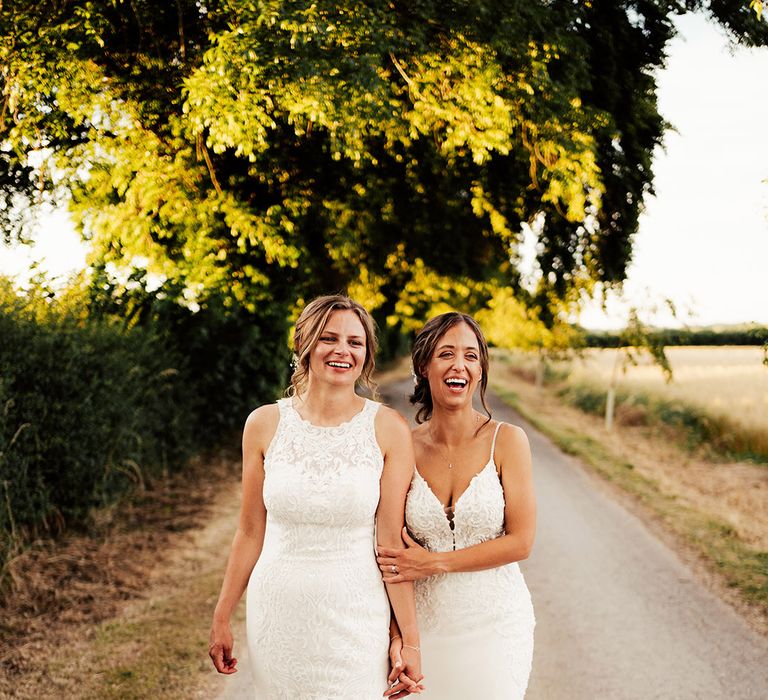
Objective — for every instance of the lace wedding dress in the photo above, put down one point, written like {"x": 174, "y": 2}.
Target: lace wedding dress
{"x": 317, "y": 610}
{"x": 476, "y": 627}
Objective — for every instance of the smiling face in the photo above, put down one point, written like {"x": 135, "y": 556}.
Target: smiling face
{"x": 455, "y": 368}
{"x": 339, "y": 354}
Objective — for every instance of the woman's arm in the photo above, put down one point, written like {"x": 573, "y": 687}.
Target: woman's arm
{"x": 249, "y": 537}
{"x": 513, "y": 455}
{"x": 394, "y": 437}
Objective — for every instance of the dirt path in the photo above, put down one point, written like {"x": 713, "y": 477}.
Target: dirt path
{"x": 619, "y": 615}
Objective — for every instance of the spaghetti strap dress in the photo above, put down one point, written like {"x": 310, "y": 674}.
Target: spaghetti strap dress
{"x": 476, "y": 627}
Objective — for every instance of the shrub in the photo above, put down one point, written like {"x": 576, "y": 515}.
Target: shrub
{"x": 93, "y": 404}
{"x": 87, "y": 412}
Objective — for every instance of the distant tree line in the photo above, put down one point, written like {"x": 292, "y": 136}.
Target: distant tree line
{"x": 738, "y": 335}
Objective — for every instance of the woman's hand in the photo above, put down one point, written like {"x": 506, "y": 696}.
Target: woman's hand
{"x": 412, "y": 563}
{"x": 405, "y": 676}
{"x": 220, "y": 648}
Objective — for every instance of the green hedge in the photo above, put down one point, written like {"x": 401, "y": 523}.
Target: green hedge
{"x": 86, "y": 412}
{"x": 738, "y": 335}
{"x": 91, "y": 408}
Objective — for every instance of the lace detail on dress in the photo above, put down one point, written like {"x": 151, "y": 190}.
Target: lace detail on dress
{"x": 488, "y": 611}
{"x": 317, "y": 611}
{"x": 305, "y": 461}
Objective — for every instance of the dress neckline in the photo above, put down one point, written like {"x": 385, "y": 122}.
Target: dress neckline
{"x": 463, "y": 493}
{"x": 456, "y": 502}
{"x": 328, "y": 427}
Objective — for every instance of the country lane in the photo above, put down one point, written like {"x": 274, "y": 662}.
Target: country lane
{"x": 619, "y": 616}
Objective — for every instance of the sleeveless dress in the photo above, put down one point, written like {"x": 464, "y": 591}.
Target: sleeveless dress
{"x": 317, "y": 612}
{"x": 476, "y": 627}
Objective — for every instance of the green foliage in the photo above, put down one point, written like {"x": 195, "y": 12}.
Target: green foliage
{"x": 267, "y": 151}
{"x": 87, "y": 412}
{"x": 585, "y": 398}
{"x": 509, "y": 323}
{"x": 234, "y": 359}
{"x": 110, "y": 386}
{"x": 727, "y": 335}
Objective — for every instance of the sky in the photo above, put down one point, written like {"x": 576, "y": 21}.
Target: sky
{"x": 703, "y": 239}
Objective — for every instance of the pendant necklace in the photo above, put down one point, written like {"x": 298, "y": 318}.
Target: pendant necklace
{"x": 440, "y": 448}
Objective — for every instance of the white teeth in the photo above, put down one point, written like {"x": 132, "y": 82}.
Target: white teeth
{"x": 455, "y": 381}
{"x": 343, "y": 365}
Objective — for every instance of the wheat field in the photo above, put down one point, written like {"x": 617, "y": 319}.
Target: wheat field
{"x": 724, "y": 381}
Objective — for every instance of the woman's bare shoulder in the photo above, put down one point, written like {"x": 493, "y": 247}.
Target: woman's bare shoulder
{"x": 261, "y": 424}
{"x": 390, "y": 420}
{"x": 512, "y": 446}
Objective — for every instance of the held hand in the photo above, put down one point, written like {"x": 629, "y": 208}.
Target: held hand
{"x": 220, "y": 648}
{"x": 410, "y": 564}
{"x": 405, "y": 676}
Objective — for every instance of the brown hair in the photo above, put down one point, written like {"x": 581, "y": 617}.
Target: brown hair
{"x": 424, "y": 347}
{"x": 308, "y": 329}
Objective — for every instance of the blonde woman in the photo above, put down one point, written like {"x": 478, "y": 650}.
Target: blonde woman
{"x": 471, "y": 513}
{"x": 320, "y": 468}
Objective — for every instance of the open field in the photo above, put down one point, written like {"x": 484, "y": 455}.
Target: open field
{"x": 718, "y": 396}
{"x": 729, "y": 382}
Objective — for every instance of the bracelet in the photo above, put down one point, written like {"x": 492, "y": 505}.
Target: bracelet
{"x": 408, "y": 646}
{"x": 397, "y": 636}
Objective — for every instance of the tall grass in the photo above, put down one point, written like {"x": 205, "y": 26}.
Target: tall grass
{"x": 86, "y": 413}
{"x": 718, "y": 397}
{"x": 92, "y": 408}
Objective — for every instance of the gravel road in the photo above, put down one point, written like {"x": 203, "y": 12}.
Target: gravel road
{"x": 619, "y": 616}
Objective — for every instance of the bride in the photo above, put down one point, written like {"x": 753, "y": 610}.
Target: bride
{"x": 324, "y": 471}
{"x": 471, "y": 513}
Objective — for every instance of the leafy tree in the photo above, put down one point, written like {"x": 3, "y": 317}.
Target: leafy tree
{"x": 267, "y": 151}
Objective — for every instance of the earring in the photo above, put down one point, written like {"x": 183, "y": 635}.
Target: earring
{"x": 294, "y": 362}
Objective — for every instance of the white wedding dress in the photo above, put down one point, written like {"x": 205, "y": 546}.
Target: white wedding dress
{"x": 476, "y": 627}
{"x": 317, "y": 610}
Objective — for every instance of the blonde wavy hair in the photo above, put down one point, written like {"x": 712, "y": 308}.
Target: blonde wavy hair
{"x": 310, "y": 326}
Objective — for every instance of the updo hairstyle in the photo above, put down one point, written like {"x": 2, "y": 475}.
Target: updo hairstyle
{"x": 424, "y": 348}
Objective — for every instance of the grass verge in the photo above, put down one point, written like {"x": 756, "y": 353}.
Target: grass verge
{"x": 124, "y": 613}
{"x": 724, "y": 438}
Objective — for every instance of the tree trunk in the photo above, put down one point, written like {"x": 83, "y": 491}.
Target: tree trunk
{"x": 610, "y": 401}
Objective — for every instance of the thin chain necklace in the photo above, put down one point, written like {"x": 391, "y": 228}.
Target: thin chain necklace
{"x": 440, "y": 448}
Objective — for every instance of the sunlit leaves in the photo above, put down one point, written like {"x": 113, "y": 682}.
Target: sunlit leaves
{"x": 457, "y": 98}
{"x": 509, "y": 322}
{"x": 275, "y": 150}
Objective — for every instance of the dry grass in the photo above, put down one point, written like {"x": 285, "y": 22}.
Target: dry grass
{"x": 719, "y": 395}
{"x": 727, "y": 384}
{"x": 716, "y": 510}
{"x": 121, "y": 611}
